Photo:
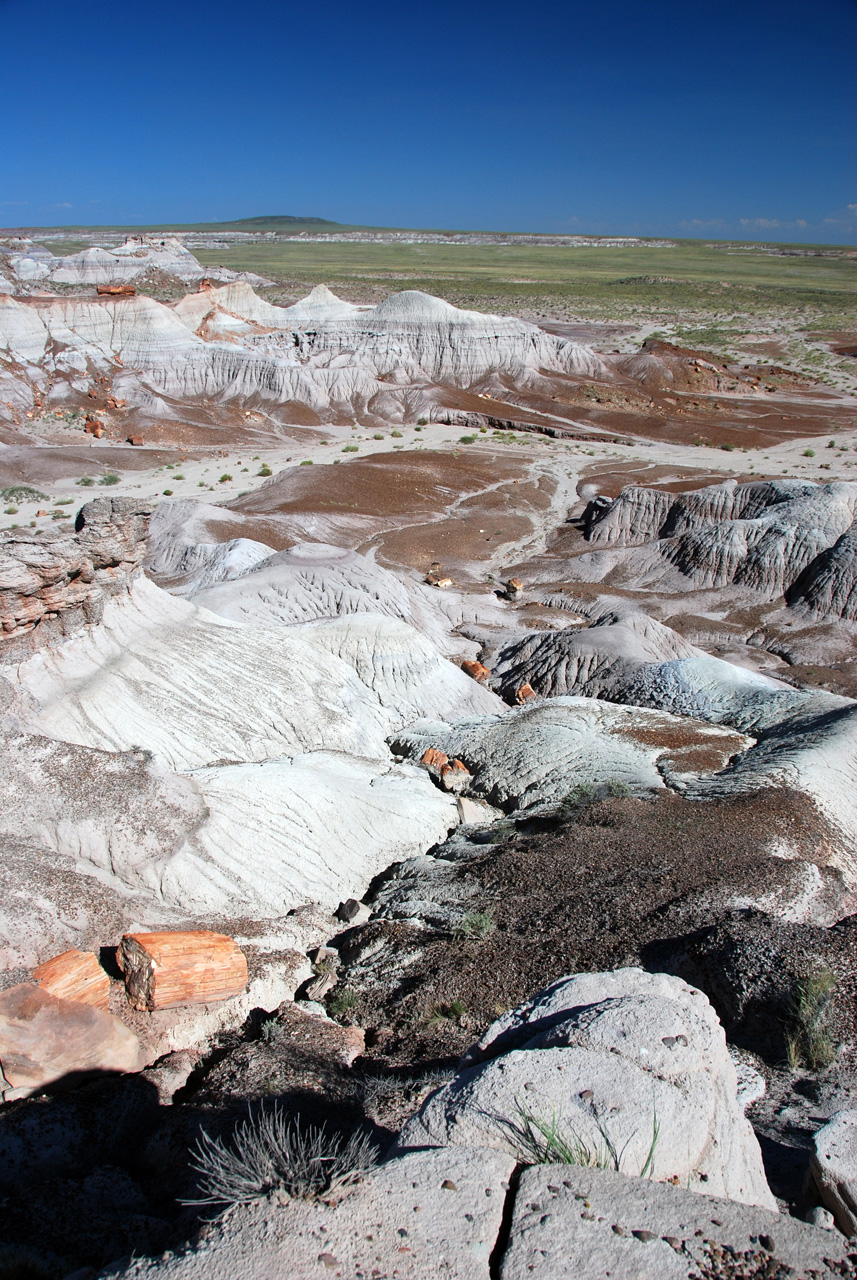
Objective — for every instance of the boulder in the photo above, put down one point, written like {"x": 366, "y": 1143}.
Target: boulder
{"x": 45, "y": 1040}
{"x": 624, "y": 1069}
{"x": 833, "y": 1164}
{"x": 430, "y": 1213}
{"x": 585, "y": 1224}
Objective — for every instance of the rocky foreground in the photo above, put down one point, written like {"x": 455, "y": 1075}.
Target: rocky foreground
{"x": 428, "y": 866}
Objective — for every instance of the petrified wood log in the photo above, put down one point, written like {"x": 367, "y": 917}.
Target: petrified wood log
{"x": 166, "y": 970}
{"x": 476, "y": 671}
{"x": 75, "y": 975}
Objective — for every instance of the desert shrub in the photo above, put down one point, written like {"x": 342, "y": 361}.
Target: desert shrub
{"x": 475, "y": 924}
{"x": 443, "y": 1013}
{"x": 422, "y": 422}
{"x": 350, "y": 448}
{"x": 168, "y": 493}
{"x": 397, "y": 435}
{"x": 85, "y": 482}
{"x": 109, "y": 478}
{"x": 268, "y": 1153}
{"x": 583, "y": 793}
{"x": 808, "y": 1039}
{"x": 728, "y": 448}
{"x": 22, "y": 493}
{"x": 467, "y": 439}
{"x": 271, "y": 1031}
{"x": 307, "y": 462}
{"x": 63, "y": 502}
{"x": 379, "y": 435}
{"x": 264, "y": 470}
{"x": 809, "y": 453}
{"x": 617, "y": 788}
{"x": 178, "y": 476}
{"x": 225, "y": 478}
{"x": 10, "y": 511}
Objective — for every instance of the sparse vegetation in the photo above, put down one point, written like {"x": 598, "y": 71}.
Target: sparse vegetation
{"x": 168, "y": 493}
{"x": 350, "y": 448}
{"x": 271, "y": 1031}
{"x": 22, "y": 493}
{"x": 809, "y": 453}
{"x": 307, "y": 462}
{"x": 540, "y": 1141}
{"x": 475, "y": 924}
{"x": 442, "y": 1013}
{"x": 268, "y": 1153}
{"x": 109, "y": 478}
{"x": 808, "y": 1040}
{"x": 225, "y": 478}
{"x": 397, "y": 435}
{"x": 264, "y": 470}
{"x": 63, "y": 502}
{"x": 342, "y": 1001}
{"x": 467, "y": 439}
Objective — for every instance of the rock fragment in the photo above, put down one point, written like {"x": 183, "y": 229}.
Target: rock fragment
{"x": 75, "y": 975}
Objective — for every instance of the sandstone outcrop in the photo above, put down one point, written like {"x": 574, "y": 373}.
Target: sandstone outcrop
{"x": 833, "y": 1164}
{"x": 64, "y": 579}
{"x": 628, "y": 1068}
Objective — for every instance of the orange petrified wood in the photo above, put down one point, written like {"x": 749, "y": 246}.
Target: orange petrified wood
{"x": 165, "y": 970}
{"x": 74, "y": 975}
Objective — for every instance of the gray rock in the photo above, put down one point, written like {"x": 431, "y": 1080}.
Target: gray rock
{"x": 833, "y": 1163}
{"x": 625, "y": 1068}
{"x": 430, "y": 1213}
{"x": 584, "y": 1224}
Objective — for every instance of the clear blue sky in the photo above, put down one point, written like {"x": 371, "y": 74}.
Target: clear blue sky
{"x": 734, "y": 120}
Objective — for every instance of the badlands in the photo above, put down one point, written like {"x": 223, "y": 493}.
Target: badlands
{"x": 428, "y": 838}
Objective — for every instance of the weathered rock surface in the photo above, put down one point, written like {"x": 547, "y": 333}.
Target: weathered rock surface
{"x": 833, "y": 1163}
{"x": 65, "y": 578}
{"x": 45, "y": 1040}
{"x": 585, "y": 1224}
{"x": 428, "y": 1213}
{"x": 632, "y": 1066}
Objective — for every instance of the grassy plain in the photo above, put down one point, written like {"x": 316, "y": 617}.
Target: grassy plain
{"x": 706, "y": 282}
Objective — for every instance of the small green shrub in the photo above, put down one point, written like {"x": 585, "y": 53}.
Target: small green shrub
{"x": 422, "y": 422}
{"x": 271, "y": 1031}
{"x": 85, "y": 482}
{"x": 63, "y": 502}
{"x": 109, "y": 478}
{"x": 10, "y": 511}
{"x": 307, "y": 462}
{"x": 225, "y": 478}
{"x": 168, "y": 493}
{"x": 617, "y": 788}
{"x": 582, "y": 794}
{"x": 264, "y": 470}
{"x": 467, "y": 439}
{"x": 179, "y": 477}
{"x": 342, "y": 1001}
{"x": 200, "y": 484}
{"x": 22, "y": 493}
{"x": 475, "y": 924}
{"x": 350, "y": 448}
{"x": 831, "y": 444}
{"x": 378, "y": 435}
{"x": 728, "y": 447}
{"x": 397, "y": 435}
{"x": 809, "y": 453}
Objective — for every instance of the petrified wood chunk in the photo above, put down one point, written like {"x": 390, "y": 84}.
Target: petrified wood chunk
{"x": 524, "y": 693}
{"x": 115, "y": 290}
{"x": 44, "y": 1040}
{"x": 166, "y": 970}
{"x": 75, "y": 975}
{"x": 475, "y": 670}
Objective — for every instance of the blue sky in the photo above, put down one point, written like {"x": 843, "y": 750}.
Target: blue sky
{"x": 729, "y": 120}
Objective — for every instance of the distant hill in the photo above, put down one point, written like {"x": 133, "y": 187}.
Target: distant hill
{"x": 274, "y": 222}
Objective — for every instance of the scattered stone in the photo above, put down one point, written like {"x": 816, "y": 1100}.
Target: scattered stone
{"x": 167, "y": 970}
{"x": 353, "y": 912}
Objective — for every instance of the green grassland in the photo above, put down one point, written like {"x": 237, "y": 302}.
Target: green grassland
{"x": 693, "y": 278}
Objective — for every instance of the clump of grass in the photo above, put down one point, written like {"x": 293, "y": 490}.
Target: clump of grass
{"x": 307, "y": 462}
{"x": 342, "y": 1001}
{"x": 85, "y": 482}
{"x": 225, "y": 478}
{"x": 264, "y": 470}
{"x": 617, "y": 788}
{"x": 728, "y": 447}
{"x": 443, "y": 1013}
{"x": 63, "y": 502}
{"x": 350, "y": 448}
{"x": 583, "y": 793}
{"x": 397, "y": 435}
{"x": 808, "y": 1039}
{"x": 168, "y": 493}
{"x": 109, "y": 478}
{"x": 475, "y": 924}
{"x": 422, "y": 422}
{"x": 271, "y": 1031}
{"x": 541, "y": 1141}
{"x": 809, "y": 453}
{"x": 269, "y": 1153}
{"x": 467, "y": 439}
{"x": 379, "y": 435}
{"x": 22, "y": 493}
{"x": 10, "y": 511}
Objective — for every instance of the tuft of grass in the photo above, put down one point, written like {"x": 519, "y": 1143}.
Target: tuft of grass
{"x": 264, "y": 470}
{"x": 397, "y": 435}
{"x": 10, "y": 511}
{"x": 475, "y": 924}
{"x": 85, "y": 482}
{"x": 307, "y": 462}
{"x": 422, "y": 422}
{"x": 583, "y": 793}
{"x": 350, "y": 448}
{"x": 271, "y": 1031}
{"x": 109, "y": 478}
{"x": 467, "y": 439}
{"x": 342, "y": 1001}
{"x": 541, "y": 1141}
{"x": 617, "y": 788}
{"x": 443, "y": 1013}
{"x": 225, "y": 478}
{"x": 269, "y": 1153}
{"x": 728, "y": 447}
{"x": 808, "y": 1039}
{"x": 63, "y": 502}
{"x": 809, "y": 453}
